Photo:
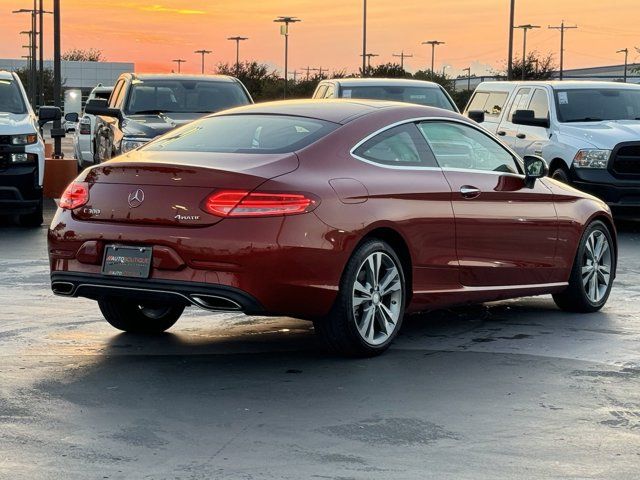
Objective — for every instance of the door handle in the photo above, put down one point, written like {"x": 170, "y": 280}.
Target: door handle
{"x": 521, "y": 135}
{"x": 469, "y": 191}
{"x": 502, "y": 133}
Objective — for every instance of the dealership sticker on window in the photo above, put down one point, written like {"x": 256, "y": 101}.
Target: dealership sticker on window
{"x": 346, "y": 94}
{"x": 417, "y": 97}
{"x": 563, "y": 99}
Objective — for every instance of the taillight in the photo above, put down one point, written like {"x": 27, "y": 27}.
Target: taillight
{"x": 76, "y": 195}
{"x": 239, "y": 203}
{"x": 85, "y": 128}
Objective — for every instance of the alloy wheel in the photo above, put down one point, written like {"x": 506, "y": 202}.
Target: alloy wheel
{"x": 377, "y": 298}
{"x": 596, "y": 266}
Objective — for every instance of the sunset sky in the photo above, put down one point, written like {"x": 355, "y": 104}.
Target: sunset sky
{"x": 152, "y": 33}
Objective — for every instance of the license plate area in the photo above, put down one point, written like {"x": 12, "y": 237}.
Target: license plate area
{"x": 127, "y": 261}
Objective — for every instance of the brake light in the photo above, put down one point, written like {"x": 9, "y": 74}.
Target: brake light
{"x": 75, "y": 195}
{"x": 85, "y": 128}
{"x": 239, "y": 203}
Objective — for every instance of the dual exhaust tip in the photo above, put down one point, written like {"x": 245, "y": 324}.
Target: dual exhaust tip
{"x": 214, "y": 303}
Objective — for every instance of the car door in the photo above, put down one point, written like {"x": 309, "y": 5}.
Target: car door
{"x": 506, "y": 232}
{"x": 531, "y": 138}
{"x": 509, "y": 131}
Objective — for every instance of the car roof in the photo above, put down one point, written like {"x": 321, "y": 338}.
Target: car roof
{"x": 334, "y": 110}
{"x": 372, "y": 82}
{"x": 180, "y": 76}
{"x": 555, "y": 84}
{"x": 6, "y": 75}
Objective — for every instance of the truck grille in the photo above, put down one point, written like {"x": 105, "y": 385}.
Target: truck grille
{"x": 626, "y": 160}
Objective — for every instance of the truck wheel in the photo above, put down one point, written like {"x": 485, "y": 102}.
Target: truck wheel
{"x": 368, "y": 312}
{"x": 136, "y": 317}
{"x": 592, "y": 273}
{"x": 34, "y": 219}
{"x": 561, "y": 174}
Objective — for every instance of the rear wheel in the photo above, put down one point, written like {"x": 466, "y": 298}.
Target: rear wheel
{"x": 137, "y": 317}
{"x": 368, "y": 312}
{"x": 592, "y": 273}
{"x": 561, "y": 174}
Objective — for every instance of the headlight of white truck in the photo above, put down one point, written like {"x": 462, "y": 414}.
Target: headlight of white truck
{"x": 591, "y": 158}
{"x": 129, "y": 144}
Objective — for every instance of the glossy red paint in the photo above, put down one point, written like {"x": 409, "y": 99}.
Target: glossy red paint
{"x": 509, "y": 241}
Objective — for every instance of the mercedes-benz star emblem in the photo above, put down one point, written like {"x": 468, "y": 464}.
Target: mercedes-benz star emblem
{"x": 136, "y": 198}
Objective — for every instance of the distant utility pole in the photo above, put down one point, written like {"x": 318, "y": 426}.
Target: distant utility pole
{"x": 295, "y": 75}
{"x": 364, "y": 39}
{"x": 284, "y": 30}
{"x": 238, "y": 40}
{"x": 203, "y": 53}
{"x": 308, "y": 70}
{"x": 626, "y": 56}
{"x": 402, "y": 56}
{"x": 41, "y": 12}
{"x": 562, "y": 28}
{"x": 468, "y": 70}
{"x": 510, "y": 59}
{"x": 32, "y": 53}
{"x": 179, "y": 61}
{"x": 433, "y": 44}
{"x": 444, "y": 67}
{"x": 524, "y": 28}
{"x": 368, "y": 57}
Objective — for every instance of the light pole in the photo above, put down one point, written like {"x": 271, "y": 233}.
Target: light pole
{"x": 57, "y": 78}
{"x": 179, "y": 61}
{"x": 512, "y": 11}
{"x": 562, "y": 27}
{"x": 626, "y": 56}
{"x": 284, "y": 30}
{"x": 238, "y": 40}
{"x": 203, "y": 53}
{"x": 364, "y": 39}
{"x": 32, "y": 53}
{"x": 524, "y": 45}
{"x": 433, "y": 44}
{"x": 468, "y": 70}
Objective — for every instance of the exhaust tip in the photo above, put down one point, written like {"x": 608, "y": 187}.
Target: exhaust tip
{"x": 213, "y": 302}
{"x": 62, "y": 288}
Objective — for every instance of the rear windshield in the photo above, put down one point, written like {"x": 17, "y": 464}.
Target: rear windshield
{"x": 244, "y": 134}
{"x": 11, "y": 100}
{"x": 429, "y": 96}
{"x": 183, "y": 96}
{"x": 595, "y": 104}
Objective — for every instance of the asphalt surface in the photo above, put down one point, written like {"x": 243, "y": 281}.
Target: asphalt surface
{"x": 513, "y": 389}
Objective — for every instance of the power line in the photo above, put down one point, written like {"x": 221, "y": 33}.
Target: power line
{"x": 562, "y": 27}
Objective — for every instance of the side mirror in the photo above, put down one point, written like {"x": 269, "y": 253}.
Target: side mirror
{"x": 72, "y": 117}
{"x": 100, "y": 106}
{"x": 527, "y": 117}
{"x": 534, "y": 167}
{"x": 476, "y": 115}
{"x": 48, "y": 114}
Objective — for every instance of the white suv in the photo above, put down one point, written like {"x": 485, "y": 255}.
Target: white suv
{"x": 83, "y": 139}
{"x": 588, "y": 132}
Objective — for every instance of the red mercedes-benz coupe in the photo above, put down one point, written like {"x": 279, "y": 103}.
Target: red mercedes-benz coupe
{"x": 347, "y": 213}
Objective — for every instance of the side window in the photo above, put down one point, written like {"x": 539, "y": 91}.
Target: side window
{"x": 457, "y": 145}
{"x": 321, "y": 91}
{"x": 519, "y": 102}
{"x": 401, "y": 146}
{"x": 478, "y": 101}
{"x": 115, "y": 95}
{"x": 495, "y": 104}
{"x": 329, "y": 93}
{"x": 539, "y": 103}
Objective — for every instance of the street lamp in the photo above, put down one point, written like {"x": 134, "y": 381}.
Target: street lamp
{"x": 203, "y": 53}
{"x": 433, "y": 44}
{"x": 179, "y": 61}
{"x": 626, "y": 56}
{"x": 468, "y": 70}
{"x": 364, "y": 38}
{"x": 238, "y": 40}
{"x": 524, "y": 44}
{"x": 284, "y": 30}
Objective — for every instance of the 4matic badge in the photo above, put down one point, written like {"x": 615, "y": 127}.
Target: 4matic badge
{"x": 187, "y": 217}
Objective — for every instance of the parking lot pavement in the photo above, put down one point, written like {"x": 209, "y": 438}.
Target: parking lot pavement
{"x": 513, "y": 389}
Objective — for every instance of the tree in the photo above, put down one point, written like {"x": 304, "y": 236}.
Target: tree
{"x": 47, "y": 76}
{"x": 387, "y": 70}
{"x": 536, "y": 67}
{"x": 83, "y": 55}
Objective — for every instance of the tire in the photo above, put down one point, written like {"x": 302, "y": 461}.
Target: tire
{"x": 584, "y": 294}
{"x": 134, "y": 317}
{"x": 561, "y": 174}
{"x": 34, "y": 219}
{"x": 350, "y": 330}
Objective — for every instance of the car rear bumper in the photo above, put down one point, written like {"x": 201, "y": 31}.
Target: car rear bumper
{"x": 270, "y": 266}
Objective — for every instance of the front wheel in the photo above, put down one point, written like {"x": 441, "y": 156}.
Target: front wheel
{"x": 561, "y": 174}
{"x": 370, "y": 306}
{"x": 137, "y": 317}
{"x": 592, "y": 273}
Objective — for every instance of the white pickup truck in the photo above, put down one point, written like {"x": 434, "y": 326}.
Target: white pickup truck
{"x": 21, "y": 152}
{"x": 588, "y": 132}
